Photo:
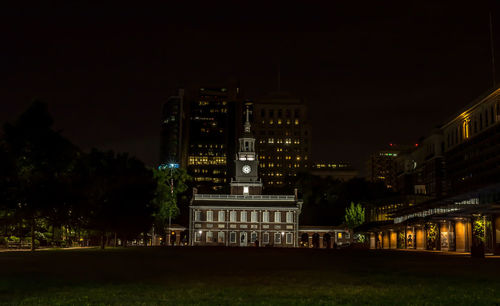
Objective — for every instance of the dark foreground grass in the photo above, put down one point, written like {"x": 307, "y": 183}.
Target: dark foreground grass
{"x": 206, "y": 276}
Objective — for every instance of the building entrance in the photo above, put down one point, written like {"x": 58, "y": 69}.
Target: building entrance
{"x": 243, "y": 239}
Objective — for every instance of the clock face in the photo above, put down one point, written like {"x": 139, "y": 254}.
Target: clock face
{"x": 246, "y": 169}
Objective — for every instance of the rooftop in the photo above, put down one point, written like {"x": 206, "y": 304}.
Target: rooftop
{"x": 237, "y": 197}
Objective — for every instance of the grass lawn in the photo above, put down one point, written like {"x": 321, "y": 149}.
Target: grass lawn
{"x": 245, "y": 276}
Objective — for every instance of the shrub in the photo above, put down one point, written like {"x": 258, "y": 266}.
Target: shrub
{"x": 14, "y": 239}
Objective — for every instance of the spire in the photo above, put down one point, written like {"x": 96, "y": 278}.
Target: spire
{"x": 247, "y": 122}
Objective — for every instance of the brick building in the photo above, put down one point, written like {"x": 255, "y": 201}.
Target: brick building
{"x": 245, "y": 217}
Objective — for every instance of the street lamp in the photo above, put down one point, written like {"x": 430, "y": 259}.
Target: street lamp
{"x": 170, "y": 166}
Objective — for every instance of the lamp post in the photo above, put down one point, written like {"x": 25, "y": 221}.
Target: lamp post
{"x": 170, "y": 166}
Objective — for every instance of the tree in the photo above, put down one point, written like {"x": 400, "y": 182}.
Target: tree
{"x": 171, "y": 183}
{"x": 117, "y": 195}
{"x": 354, "y": 215}
{"x": 41, "y": 159}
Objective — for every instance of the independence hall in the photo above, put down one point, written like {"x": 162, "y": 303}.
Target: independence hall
{"x": 450, "y": 187}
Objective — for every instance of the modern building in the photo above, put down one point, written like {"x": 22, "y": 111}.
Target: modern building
{"x": 337, "y": 171}
{"x": 461, "y": 175}
{"x": 172, "y": 137}
{"x": 212, "y": 130}
{"x": 381, "y": 165}
{"x": 283, "y": 134}
{"x": 245, "y": 217}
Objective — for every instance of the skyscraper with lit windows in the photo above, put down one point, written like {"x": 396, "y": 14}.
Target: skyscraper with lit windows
{"x": 283, "y": 135}
{"x": 212, "y": 129}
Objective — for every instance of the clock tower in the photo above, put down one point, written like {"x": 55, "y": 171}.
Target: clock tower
{"x": 246, "y": 181}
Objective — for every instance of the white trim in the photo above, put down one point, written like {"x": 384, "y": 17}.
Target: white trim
{"x": 264, "y": 235}
{"x": 231, "y": 236}
{"x": 211, "y": 235}
{"x": 285, "y": 208}
{"x": 237, "y": 197}
{"x": 211, "y": 214}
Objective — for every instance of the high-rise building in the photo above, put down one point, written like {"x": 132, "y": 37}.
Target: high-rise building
{"x": 172, "y": 130}
{"x": 283, "y": 135}
{"x": 212, "y": 130}
{"x": 382, "y": 166}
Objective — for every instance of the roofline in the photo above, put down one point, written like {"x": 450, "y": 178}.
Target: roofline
{"x": 471, "y": 106}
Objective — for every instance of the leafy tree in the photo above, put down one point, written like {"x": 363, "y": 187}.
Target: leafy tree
{"x": 354, "y": 215}
{"x": 171, "y": 184}
{"x": 117, "y": 194}
{"x": 41, "y": 158}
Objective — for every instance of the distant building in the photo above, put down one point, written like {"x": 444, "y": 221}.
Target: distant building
{"x": 421, "y": 169}
{"x": 381, "y": 165}
{"x": 283, "y": 135}
{"x": 337, "y": 171}
{"x": 172, "y": 130}
{"x": 212, "y": 131}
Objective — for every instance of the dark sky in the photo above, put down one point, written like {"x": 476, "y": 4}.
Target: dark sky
{"x": 371, "y": 72}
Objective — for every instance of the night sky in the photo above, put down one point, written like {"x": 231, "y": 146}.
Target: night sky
{"x": 371, "y": 72}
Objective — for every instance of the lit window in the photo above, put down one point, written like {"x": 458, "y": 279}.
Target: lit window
{"x": 253, "y": 237}
{"x": 277, "y": 216}
{"x": 265, "y": 216}
{"x": 271, "y": 121}
{"x": 339, "y": 235}
{"x": 243, "y": 216}
{"x": 296, "y": 121}
{"x": 253, "y": 216}
{"x": 222, "y": 216}
{"x": 209, "y": 237}
{"x": 220, "y": 237}
{"x": 245, "y": 190}
{"x": 279, "y": 121}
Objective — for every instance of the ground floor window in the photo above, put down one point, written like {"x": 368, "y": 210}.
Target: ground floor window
{"x": 253, "y": 237}
{"x": 210, "y": 237}
{"x": 265, "y": 238}
{"x": 277, "y": 238}
{"x": 220, "y": 237}
{"x": 232, "y": 237}
{"x": 197, "y": 236}
{"x": 289, "y": 238}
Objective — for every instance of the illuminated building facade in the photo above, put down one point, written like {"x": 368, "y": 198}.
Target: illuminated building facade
{"x": 283, "y": 136}
{"x": 172, "y": 130}
{"x": 244, "y": 217}
{"x": 458, "y": 169}
{"x": 212, "y": 131}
